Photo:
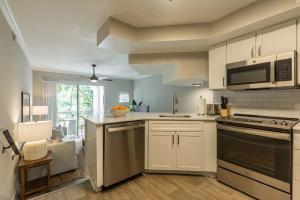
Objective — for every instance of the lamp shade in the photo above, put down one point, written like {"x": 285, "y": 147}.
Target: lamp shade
{"x": 39, "y": 110}
{"x": 33, "y": 131}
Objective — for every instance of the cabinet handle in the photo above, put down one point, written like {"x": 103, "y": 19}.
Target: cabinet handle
{"x": 172, "y": 140}
{"x": 252, "y": 52}
{"x": 178, "y": 139}
{"x": 259, "y": 50}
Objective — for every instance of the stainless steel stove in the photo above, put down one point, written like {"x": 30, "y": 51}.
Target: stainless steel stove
{"x": 265, "y": 122}
{"x": 255, "y": 154}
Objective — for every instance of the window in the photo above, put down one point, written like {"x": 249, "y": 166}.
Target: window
{"x": 124, "y": 97}
{"x": 74, "y": 101}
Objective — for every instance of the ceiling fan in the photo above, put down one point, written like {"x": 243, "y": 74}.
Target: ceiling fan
{"x": 94, "y": 78}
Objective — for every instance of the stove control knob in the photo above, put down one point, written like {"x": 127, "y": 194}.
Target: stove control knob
{"x": 284, "y": 123}
{"x": 274, "y": 122}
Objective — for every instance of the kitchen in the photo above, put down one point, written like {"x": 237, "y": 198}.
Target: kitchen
{"x": 251, "y": 148}
{"x": 203, "y": 106}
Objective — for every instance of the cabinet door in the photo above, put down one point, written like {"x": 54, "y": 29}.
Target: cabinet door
{"x": 210, "y": 146}
{"x": 296, "y": 190}
{"x": 298, "y": 51}
{"x": 217, "y": 64}
{"x": 240, "y": 49}
{"x": 190, "y": 151}
{"x": 162, "y": 154}
{"x": 276, "y": 39}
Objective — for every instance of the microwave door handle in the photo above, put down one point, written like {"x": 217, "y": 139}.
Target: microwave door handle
{"x": 272, "y": 72}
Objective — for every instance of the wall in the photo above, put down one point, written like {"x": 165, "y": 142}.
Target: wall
{"x": 264, "y": 102}
{"x": 188, "y": 67}
{"x": 15, "y": 77}
{"x": 152, "y": 92}
{"x": 112, "y": 89}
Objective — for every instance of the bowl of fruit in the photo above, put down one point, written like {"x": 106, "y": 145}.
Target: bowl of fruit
{"x": 119, "y": 111}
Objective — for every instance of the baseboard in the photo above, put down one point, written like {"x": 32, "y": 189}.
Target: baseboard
{"x": 175, "y": 172}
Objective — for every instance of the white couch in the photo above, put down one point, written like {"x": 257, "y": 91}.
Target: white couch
{"x": 64, "y": 159}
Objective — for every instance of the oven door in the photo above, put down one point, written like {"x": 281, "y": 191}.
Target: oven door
{"x": 251, "y": 74}
{"x": 263, "y": 152}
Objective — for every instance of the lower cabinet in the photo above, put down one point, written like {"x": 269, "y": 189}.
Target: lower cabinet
{"x": 296, "y": 165}
{"x": 296, "y": 190}
{"x": 162, "y": 152}
{"x": 190, "y": 151}
{"x": 176, "y": 151}
{"x": 182, "y": 146}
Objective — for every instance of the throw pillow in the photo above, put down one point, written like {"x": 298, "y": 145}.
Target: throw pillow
{"x": 57, "y": 132}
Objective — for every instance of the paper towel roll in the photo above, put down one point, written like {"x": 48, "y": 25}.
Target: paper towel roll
{"x": 202, "y": 106}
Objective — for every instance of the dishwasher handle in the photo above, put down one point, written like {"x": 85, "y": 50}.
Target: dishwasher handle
{"x": 125, "y": 128}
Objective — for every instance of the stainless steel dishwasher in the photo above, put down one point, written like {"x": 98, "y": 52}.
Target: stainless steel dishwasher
{"x": 124, "y": 151}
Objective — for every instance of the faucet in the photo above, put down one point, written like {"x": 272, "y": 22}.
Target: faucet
{"x": 174, "y": 104}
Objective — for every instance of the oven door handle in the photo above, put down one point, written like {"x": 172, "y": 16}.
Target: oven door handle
{"x": 268, "y": 134}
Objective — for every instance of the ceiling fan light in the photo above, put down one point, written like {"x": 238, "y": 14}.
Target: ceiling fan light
{"x": 94, "y": 79}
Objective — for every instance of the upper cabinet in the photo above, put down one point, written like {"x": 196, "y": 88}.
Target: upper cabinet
{"x": 276, "y": 39}
{"x": 279, "y": 38}
{"x": 242, "y": 48}
{"x": 217, "y": 63}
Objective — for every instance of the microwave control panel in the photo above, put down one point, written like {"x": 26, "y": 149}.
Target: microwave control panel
{"x": 283, "y": 70}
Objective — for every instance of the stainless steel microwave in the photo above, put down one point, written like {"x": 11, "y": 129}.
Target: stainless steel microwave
{"x": 278, "y": 70}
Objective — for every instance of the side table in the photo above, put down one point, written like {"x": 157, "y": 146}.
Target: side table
{"x": 43, "y": 183}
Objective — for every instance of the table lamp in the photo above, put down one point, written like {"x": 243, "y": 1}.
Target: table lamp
{"x": 39, "y": 111}
{"x": 34, "y": 134}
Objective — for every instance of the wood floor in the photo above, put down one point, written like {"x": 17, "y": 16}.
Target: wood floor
{"x": 154, "y": 187}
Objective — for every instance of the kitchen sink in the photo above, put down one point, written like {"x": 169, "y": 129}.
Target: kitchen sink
{"x": 175, "y": 115}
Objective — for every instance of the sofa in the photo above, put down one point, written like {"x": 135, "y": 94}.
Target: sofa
{"x": 64, "y": 159}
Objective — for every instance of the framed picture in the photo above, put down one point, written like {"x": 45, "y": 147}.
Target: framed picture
{"x": 25, "y": 108}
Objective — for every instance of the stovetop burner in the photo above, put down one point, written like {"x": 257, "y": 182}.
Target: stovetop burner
{"x": 261, "y": 121}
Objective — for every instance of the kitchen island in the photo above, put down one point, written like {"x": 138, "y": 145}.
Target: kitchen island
{"x": 180, "y": 143}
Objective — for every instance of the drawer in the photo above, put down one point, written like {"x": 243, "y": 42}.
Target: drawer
{"x": 176, "y": 126}
{"x": 296, "y": 190}
{"x": 296, "y": 157}
{"x": 296, "y": 141}
{"x": 296, "y": 172}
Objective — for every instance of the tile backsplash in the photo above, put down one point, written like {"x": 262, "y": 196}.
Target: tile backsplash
{"x": 263, "y": 102}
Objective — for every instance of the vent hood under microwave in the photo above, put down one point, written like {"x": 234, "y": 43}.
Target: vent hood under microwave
{"x": 274, "y": 71}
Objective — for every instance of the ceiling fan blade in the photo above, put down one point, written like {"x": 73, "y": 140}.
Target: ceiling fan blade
{"x": 106, "y": 79}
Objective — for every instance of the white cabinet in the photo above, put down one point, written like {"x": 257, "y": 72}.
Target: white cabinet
{"x": 210, "y": 146}
{"x": 217, "y": 64}
{"x": 296, "y": 163}
{"x": 276, "y": 39}
{"x": 162, "y": 151}
{"x": 190, "y": 151}
{"x": 242, "y": 48}
{"x": 298, "y": 51}
{"x": 296, "y": 190}
{"x": 182, "y": 146}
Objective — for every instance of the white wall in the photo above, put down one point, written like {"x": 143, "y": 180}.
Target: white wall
{"x": 15, "y": 77}
{"x": 152, "y": 92}
{"x": 111, "y": 89}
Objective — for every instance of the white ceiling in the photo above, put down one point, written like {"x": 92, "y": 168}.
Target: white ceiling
{"x": 61, "y": 34}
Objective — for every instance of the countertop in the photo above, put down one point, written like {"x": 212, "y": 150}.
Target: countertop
{"x": 101, "y": 119}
